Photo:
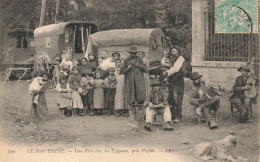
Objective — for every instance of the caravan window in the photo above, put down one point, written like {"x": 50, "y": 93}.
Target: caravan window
{"x": 21, "y": 41}
{"x": 48, "y": 41}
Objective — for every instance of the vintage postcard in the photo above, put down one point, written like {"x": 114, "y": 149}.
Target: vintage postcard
{"x": 133, "y": 80}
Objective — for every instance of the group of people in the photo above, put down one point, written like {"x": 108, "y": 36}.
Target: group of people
{"x": 123, "y": 87}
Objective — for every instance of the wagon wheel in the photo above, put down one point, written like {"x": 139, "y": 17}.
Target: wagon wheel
{"x": 55, "y": 75}
{"x": 42, "y": 64}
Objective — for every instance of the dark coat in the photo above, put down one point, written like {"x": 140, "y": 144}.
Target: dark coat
{"x": 135, "y": 88}
{"x": 238, "y": 92}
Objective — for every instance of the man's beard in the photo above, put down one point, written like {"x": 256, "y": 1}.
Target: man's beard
{"x": 196, "y": 83}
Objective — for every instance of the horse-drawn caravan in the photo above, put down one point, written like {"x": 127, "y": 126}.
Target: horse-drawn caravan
{"x": 18, "y": 51}
{"x": 151, "y": 41}
{"x": 52, "y": 41}
{"x": 49, "y": 44}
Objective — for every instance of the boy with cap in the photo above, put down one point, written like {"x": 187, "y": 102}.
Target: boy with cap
{"x": 157, "y": 104}
{"x": 238, "y": 99}
{"x": 203, "y": 103}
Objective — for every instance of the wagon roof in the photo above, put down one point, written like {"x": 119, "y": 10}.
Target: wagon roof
{"x": 124, "y": 37}
{"x": 54, "y": 29}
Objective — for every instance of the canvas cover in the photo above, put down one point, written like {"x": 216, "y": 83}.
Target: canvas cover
{"x": 124, "y": 37}
{"x": 55, "y": 29}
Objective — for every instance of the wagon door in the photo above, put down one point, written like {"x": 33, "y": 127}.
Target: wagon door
{"x": 23, "y": 49}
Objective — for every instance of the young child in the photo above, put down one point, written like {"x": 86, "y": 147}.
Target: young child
{"x": 66, "y": 65}
{"x": 75, "y": 63}
{"x": 85, "y": 68}
{"x": 87, "y": 83}
{"x": 74, "y": 74}
{"x": 166, "y": 64}
{"x": 104, "y": 64}
{"x": 92, "y": 62}
{"x": 115, "y": 56}
{"x": 76, "y": 102}
{"x": 64, "y": 98}
{"x": 110, "y": 83}
{"x": 36, "y": 85}
{"x": 99, "y": 95}
{"x": 119, "y": 97}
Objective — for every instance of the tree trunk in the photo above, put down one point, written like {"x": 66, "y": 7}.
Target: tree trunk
{"x": 57, "y": 11}
{"x": 42, "y": 13}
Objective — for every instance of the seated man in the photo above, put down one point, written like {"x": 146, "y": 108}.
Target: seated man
{"x": 157, "y": 104}
{"x": 203, "y": 102}
{"x": 238, "y": 99}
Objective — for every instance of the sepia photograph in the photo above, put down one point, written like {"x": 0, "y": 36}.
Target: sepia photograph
{"x": 129, "y": 80}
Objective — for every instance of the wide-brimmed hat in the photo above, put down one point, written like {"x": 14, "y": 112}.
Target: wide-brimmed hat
{"x": 154, "y": 82}
{"x": 195, "y": 76}
{"x": 115, "y": 53}
{"x": 243, "y": 68}
{"x": 133, "y": 49}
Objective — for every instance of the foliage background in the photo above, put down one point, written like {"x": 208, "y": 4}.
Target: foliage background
{"x": 172, "y": 16}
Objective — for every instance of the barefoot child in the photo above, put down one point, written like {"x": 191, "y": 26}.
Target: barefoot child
{"x": 87, "y": 83}
{"x": 76, "y": 102}
{"x": 99, "y": 95}
{"x": 110, "y": 83}
{"x": 64, "y": 98}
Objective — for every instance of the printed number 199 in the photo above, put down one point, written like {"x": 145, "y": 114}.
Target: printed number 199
{"x": 11, "y": 151}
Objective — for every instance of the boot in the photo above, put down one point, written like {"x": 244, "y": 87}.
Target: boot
{"x": 84, "y": 112}
{"x": 148, "y": 126}
{"x": 167, "y": 126}
{"x": 212, "y": 124}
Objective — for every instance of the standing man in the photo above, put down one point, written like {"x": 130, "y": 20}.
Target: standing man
{"x": 135, "y": 89}
{"x": 176, "y": 83}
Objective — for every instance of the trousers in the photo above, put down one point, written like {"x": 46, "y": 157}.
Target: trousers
{"x": 150, "y": 112}
{"x": 242, "y": 106}
{"x": 175, "y": 97}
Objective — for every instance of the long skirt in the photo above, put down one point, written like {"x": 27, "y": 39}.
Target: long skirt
{"x": 40, "y": 112}
{"x": 64, "y": 100}
{"x": 120, "y": 94}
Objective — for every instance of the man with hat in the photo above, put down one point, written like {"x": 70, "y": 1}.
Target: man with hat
{"x": 203, "y": 103}
{"x": 157, "y": 104}
{"x": 238, "y": 99}
{"x": 135, "y": 90}
{"x": 176, "y": 83}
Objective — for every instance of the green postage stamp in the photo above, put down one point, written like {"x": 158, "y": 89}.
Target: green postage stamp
{"x": 236, "y": 16}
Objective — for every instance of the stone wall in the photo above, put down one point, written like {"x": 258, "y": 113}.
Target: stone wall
{"x": 220, "y": 73}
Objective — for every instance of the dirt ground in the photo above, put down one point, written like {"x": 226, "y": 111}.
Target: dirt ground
{"x": 87, "y": 131}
